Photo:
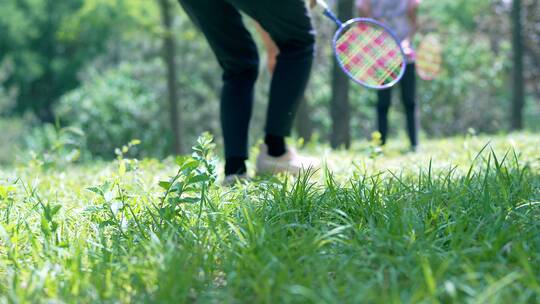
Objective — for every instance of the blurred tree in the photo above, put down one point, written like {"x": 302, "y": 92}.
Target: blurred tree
{"x": 48, "y": 47}
{"x": 303, "y": 123}
{"x": 46, "y": 66}
{"x": 340, "y": 107}
{"x": 50, "y": 42}
{"x": 7, "y": 95}
{"x": 499, "y": 27}
{"x": 532, "y": 41}
{"x": 118, "y": 105}
{"x": 169, "y": 54}
{"x": 518, "y": 83}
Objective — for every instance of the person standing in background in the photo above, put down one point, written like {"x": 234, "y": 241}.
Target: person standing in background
{"x": 401, "y": 17}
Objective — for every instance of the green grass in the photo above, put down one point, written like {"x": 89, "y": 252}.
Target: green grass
{"x": 457, "y": 222}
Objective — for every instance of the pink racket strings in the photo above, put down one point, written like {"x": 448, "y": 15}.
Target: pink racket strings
{"x": 369, "y": 54}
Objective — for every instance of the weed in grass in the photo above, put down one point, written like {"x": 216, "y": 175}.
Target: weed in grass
{"x": 430, "y": 232}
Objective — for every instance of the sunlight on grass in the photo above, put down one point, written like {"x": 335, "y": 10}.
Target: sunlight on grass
{"x": 456, "y": 222}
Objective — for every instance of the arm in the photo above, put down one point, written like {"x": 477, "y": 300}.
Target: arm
{"x": 272, "y": 49}
{"x": 412, "y": 12}
{"x": 364, "y": 8}
{"x": 407, "y": 43}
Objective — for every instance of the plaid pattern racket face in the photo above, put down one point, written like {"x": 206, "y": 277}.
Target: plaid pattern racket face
{"x": 429, "y": 58}
{"x": 369, "y": 53}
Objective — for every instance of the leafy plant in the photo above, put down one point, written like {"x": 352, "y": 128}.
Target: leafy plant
{"x": 456, "y": 222}
{"x": 192, "y": 180}
{"x": 50, "y": 145}
{"x": 112, "y": 109}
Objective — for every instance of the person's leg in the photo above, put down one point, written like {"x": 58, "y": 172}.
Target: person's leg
{"x": 289, "y": 25}
{"x": 408, "y": 97}
{"x": 384, "y": 98}
{"x": 236, "y": 52}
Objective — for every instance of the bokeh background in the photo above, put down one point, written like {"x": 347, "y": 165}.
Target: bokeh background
{"x": 79, "y": 78}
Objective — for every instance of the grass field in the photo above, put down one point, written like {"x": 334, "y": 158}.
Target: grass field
{"x": 457, "y": 222}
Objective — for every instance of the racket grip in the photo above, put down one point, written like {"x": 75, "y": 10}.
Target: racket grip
{"x": 322, "y": 4}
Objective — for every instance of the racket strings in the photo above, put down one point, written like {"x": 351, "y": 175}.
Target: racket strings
{"x": 429, "y": 58}
{"x": 429, "y": 68}
{"x": 369, "y": 54}
{"x": 430, "y": 53}
{"x": 361, "y": 45}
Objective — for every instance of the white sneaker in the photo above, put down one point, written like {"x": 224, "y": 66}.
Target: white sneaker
{"x": 233, "y": 179}
{"x": 289, "y": 162}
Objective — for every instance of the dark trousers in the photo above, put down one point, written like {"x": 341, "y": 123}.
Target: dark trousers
{"x": 289, "y": 25}
{"x": 408, "y": 97}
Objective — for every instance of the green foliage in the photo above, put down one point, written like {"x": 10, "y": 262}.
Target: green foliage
{"x": 455, "y": 224}
{"x": 101, "y": 20}
{"x": 461, "y": 13}
{"x": 190, "y": 184}
{"x": 47, "y": 50}
{"x": 54, "y": 45}
{"x": 114, "y": 107}
{"x": 471, "y": 91}
{"x": 11, "y": 139}
{"x": 7, "y": 94}
{"x": 51, "y": 146}
{"x": 198, "y": 83}
{"x": 46, "y": 66}
{"x": 475, "y": 89}
{"x": 50, "y": 42}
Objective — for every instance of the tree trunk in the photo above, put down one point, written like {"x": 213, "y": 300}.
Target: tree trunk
{"x": 169, "y": 53}
{"x": 518, "y": 83}
{"x": 304, "y": 124}
{"x": 47, "y": 87}
{"x": 339, "y": 107}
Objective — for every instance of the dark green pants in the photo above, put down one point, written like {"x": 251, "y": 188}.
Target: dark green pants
{"x": 289, "y": 25}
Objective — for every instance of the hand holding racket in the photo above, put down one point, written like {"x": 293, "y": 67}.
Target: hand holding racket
{"x": 367, "y": 51}
{"x": 408, "y": 50}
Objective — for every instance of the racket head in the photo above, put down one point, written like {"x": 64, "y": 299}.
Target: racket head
{"x": 369, "y": 53}
{"x": 429, "y": 58}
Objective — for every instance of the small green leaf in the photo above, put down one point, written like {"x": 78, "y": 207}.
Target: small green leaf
{"x": 186, "y": 164}
{"x": 165, "y": 185}
{"x": 189, "y": 200}
{"x": 55, "y": 209}
{"x": 180, "y": 160}
{"x": 178, "y": 187}
{"x": 96, "y": 190}
{"x": 199, "y": 179}
{"x": 45, "y": 226}
{"x": 106, "y": 223}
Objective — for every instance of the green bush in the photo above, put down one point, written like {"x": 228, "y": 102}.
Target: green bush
{"x": 52, "y": 146}
{"x": 13, "y": 130}
{"x": 114, "y": 107}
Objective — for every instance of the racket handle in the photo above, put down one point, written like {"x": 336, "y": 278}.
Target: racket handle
{"x": 328, "y": 13}
{"x": 322, "y": 4}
